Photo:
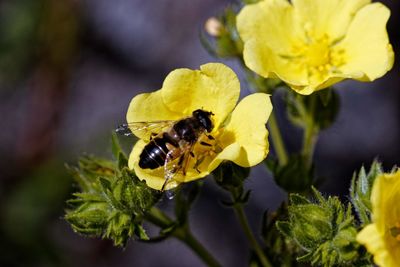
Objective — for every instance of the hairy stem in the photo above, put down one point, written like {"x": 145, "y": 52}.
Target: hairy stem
{"x": 186, "y": 236}
{"x": 238, "y": 207}
{"x": 277, "y": 140}
{"x": 310, "y": 134}
{"x": 183, "y": 233}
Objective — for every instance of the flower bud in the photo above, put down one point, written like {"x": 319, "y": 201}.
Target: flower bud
{"x": 311, "y": 224}
{"x": 214, "y": 27}
{"x": 324, "y": 229}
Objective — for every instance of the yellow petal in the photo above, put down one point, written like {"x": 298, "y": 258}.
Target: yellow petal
{"x": 245, "y": 138}
{"x": 215, "y": 87}
{"x": 331, "y": 17}
{"x": 316, "y": 85}
{"x": 264, "y": 61}
{"x": 372, "y": 239}
{"x": 368, "y": 52}
{"x": 149, "y": 107}
{"x": 155, "y": 178}
{"x": 385, "y": 197}
{"x": 269, "y": 29}
{"x": 269, "y": 22}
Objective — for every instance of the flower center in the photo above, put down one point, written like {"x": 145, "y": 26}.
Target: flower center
{"x": 318, "y": 55}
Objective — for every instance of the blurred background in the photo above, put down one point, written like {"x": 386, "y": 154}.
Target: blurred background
{"x": 68, "y": 70}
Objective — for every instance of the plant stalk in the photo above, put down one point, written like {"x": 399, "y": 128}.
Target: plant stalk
{"x": 183, "y": 233}
{"x": 310, "y": 134}
{"x": 186, "y": 236}
{"x": 277, "y": 140}
{"x": 249, "y": 234}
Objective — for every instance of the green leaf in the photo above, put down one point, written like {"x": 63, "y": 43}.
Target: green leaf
{"x": 122, "y": 161}
{"x": 141, "y": 233}
{"x": 284, "y": 227}
{"x": 360, "y": 191}
{"x": 118, "y": 153}
{"x": 297, "y": 199}
{"x": 115, "y": 145}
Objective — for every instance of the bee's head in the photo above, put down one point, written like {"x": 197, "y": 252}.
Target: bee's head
{"x": 204, "y": 118}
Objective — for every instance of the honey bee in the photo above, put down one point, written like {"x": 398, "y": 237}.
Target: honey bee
{"x": 171, "y": 143}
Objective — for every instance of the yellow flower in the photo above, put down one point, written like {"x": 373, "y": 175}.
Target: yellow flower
{"x": 382, "y": 238}
{"x": 240, "y": 133}
{"x": 312, "y": 44}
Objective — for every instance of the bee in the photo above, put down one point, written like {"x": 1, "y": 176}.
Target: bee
{"x": 172, "y": 142}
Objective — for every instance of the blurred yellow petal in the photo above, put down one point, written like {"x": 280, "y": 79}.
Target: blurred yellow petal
{"x": 373, "y": 241}
{"x": 382, "y": 238}
{"x": 331, "y": 17}
{"x": 214, "y": 87}
{"x": 269, "y": 22}
{"x": 313, "y": 44}
{"x": 369, "y": 54}
{"x": 245, "y": 137}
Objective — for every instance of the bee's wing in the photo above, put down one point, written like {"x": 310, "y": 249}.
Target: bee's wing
{"x": 146, "y": 129}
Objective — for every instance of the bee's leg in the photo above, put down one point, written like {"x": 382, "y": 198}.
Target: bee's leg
{"x": 210, "y": 137}
{"x": 205, "y": 143}
{"x": 199, "y": 160}
{"x": 186, "y": 156}
{"x": 169, "y": 171}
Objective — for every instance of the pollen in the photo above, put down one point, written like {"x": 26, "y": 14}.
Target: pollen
{"x": 318, "y": 55}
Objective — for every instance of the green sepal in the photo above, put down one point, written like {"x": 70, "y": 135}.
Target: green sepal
{"x": 115, "y": 145}
{"x": 279, "y": 245}
{"x": 324, "y": 229}
{"x": 284, "y": 227}
{"x": 89, "y": 218}
{"x": 318, "y": 110}
{"x": 230, "y": 176}
{"x": 112, "y": 202}
{"x": 360, "y": 191}
{"x": 295, "y": 176}
{"x": 119, "y": 154}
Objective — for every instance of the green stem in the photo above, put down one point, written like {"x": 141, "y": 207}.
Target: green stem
{"x": 309, "y": 141}
{"x": 277, "y": 140}
{"x": 186, "y": 236}
{"x": 159, "y": 218}
{"x": 249, "y": 234}
{"x": 310, "y": 134}
{"x": 183, "y": 233}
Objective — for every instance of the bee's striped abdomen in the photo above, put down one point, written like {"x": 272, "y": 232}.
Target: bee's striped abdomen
{"x": 154, "y": 153}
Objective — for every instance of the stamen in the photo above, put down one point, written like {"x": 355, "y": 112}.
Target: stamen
{"x": 395, "y": 231}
